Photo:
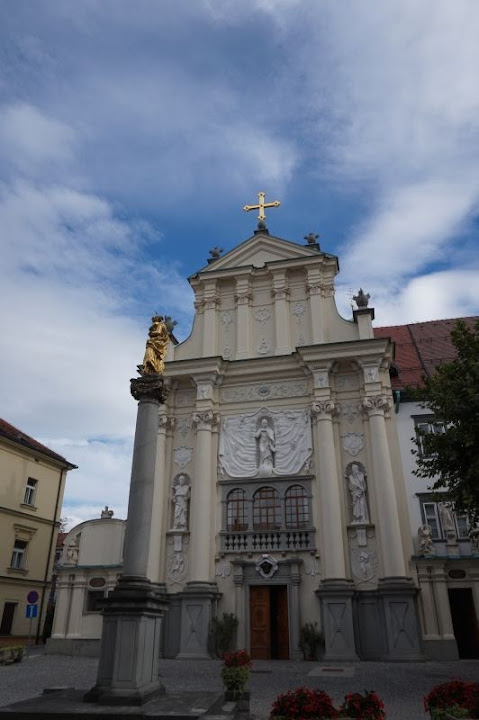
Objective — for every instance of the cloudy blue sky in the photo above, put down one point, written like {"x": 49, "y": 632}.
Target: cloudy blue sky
{"x": 132, "y": 134}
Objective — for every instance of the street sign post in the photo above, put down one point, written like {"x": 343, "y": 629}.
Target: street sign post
{"x": 31, "y": 611}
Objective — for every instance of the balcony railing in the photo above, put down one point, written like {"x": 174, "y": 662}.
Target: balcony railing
{"x": 266, "y": 540}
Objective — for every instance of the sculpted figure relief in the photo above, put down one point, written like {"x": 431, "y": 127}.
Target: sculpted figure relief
{"x": 156, "y": 346}
{"x": 181, "y": 494}
{"x": 266, "y": 448}
{"x": 424, "y": 540}
{"x": 357, "y": 489}
{"x": 447, "y": 518}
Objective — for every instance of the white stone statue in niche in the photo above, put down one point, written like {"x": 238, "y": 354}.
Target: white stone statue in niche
{"x": 424, "y": 540}
{"x": 356, "y": 478}
{"x": 265, "y": 438}
{"x": 181, "y": 494}
{"x": 265, "y": 443}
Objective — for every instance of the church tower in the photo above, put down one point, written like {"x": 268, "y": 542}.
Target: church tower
{"x": 278, "y": 491}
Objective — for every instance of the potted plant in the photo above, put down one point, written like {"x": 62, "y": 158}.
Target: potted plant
{"x": 367, "y": 707}
{"x": 310, "y": 640}
{"x": 302, "y": 704}
{"x": 453, "y": 699}
{"x": 235, "y": 673}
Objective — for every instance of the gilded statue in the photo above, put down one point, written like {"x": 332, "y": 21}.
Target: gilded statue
{"x": 156, "y": 346}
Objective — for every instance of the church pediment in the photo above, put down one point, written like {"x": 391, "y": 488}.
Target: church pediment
{"x": 259, "y": 250}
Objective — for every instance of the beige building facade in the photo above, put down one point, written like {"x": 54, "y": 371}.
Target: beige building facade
{"x": 31, "y": 495}
{"x": 279, "y": 492}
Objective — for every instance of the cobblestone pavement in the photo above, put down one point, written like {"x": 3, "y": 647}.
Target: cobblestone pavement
{"x": 401, "y": 685}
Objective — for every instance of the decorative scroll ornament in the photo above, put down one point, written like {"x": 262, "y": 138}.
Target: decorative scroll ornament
{"x": 183, "y": 425}
{"x": 205, "y": 419}
{"x": 166, "y": 422}
{"x": 323, "y": 409}
{"x": 265, "y": 443}
{"x": 223, "y": 568}
{"x": 266, "y": 566}
{"x": 353, "y": 443}
{"x": 227, "y": 318}
{"x": 182, "y": 455}
{"x": 350, "y": 411}
{"x": 321, "y": 378}
{"x": 177, "y": 568}
{"x": 376, "y": 405}
{"x": 263, "y": 347}
{"x": 363, "y": 564}
{"x": 424, "y": 540}
{"x": 262, "y": 315}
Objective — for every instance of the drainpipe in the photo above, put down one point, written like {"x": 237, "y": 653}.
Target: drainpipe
{"x": 397, "y": 400}
{"x": 45, "y": 579}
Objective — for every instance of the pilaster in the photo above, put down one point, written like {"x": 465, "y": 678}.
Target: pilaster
{"x": 375, "y": 407}
{"x": 243, "y": 299}
{"x": 280, "y": 294}
{"x": 210, "y": 322}
{"x": 160, "y": 491}
{"x": 313, "y": 286}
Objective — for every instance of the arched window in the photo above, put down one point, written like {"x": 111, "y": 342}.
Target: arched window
{"x": 236, "y": 510}
{"x": 266, "y": 509}
{"x": 296, "y": 508}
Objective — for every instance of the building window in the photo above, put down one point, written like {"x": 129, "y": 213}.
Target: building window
{"x": 236, "y": 510}
{"x": 424, "y": 429}
{"x": 266, "y": 509}
{"x": 296, "y": 508}
{"x": 30, "y": 492}
{"x": 431, "y": 516}
{"x": 18, "y": 555}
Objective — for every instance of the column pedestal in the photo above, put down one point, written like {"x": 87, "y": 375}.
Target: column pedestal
{"x": 337, "y": 619}
{"x": 397, "y": 597}
{"x": 130, "y": 648}
{"x": 130, "y": 641}
{"x": 197, "y": 604}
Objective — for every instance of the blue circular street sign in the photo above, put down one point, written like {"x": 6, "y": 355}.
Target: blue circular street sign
{"x": 32, "y": 597}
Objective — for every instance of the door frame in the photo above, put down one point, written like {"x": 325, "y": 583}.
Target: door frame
{"x": 246, "y": 574}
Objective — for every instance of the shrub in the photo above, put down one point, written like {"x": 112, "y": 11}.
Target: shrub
{"x": 452, "y": 696}
{"x": 222, "y": 633}
{"x": 302, "y": 704}
{"x": 367, "y": 707}
{"x": 310, "y": 639}
{"x": 235, "y": 671}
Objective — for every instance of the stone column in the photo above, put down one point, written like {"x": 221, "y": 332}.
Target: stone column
{"x": 201, "y": 591}
{"x": 130, "y": 644}
{"x": 396, "y": 592}
{"x": 62, "y": 607}
{"x": 294, "y": 613}
{"x": 243, "y": 312}
{"x": 281, "y": 311}
{"x": 210, "y": 327}
{"x": 160, "y": 492}
{"x": 388, "y": 518}
{"x": 335, "y": 591}
{"x": 77, "y": 605}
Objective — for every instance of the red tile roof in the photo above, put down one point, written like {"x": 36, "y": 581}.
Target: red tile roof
{"x": 420, "y": 347}
{"x": 17, "y": 436}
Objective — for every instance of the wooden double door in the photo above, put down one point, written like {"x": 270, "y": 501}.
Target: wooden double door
{"x": 269, "y": 628}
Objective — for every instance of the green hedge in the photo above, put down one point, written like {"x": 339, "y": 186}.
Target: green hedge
{"x": 11, "y": 654}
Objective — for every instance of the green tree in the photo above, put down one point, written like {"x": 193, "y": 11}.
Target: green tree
{"x": 451, "y": 394}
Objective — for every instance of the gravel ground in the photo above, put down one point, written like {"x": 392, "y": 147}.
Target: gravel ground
{"x": 400, "y": 685}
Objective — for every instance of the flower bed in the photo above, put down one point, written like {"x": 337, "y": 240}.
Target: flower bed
{"x": 312, "y": 704}
{"x": 453, "y": 699}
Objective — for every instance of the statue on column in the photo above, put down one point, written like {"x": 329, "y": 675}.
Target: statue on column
{"x": 181, "y": 494}
{"x": 357, "y": 489}
{"x": 265, "y": 438}
{"x": 424, "y": 540}
{"x": 156, "y": 347}
{"x": 447, "y": 519}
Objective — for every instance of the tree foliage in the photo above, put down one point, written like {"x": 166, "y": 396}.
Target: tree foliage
{"x": 451, "y": 394}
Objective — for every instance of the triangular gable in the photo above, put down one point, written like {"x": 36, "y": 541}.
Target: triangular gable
{"x": 258, "y": 250}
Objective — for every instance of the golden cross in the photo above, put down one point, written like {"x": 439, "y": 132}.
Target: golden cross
{"x": 261, "y": 206}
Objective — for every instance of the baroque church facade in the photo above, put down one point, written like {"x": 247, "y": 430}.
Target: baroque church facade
{"x": 279, "y": 494}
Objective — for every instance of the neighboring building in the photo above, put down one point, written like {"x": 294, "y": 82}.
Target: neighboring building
{"x": 31, "y": 494}
{"x": 446, "y": 566}
{"x": 89, "y": 567}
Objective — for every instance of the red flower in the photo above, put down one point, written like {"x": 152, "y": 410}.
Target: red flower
{"x": 238, "y": 658}
{"x": 454, "y": 692}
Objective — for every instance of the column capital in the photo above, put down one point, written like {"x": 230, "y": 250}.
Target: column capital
{"x": 323, "y": 409}
{"x": 149, "y": 388}
{"x": 166, "y": 422}
{"x": 211, "y": 302}
{"x": 376, "y": 405}
{"x": 243, "y": 297}
{"x": 280, "y": 293}
{"x": 205, "y": 419}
